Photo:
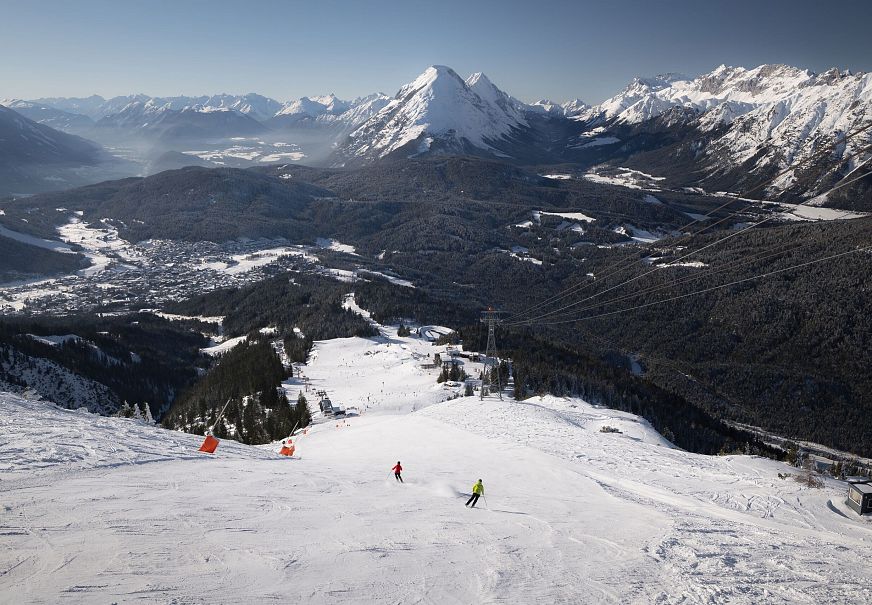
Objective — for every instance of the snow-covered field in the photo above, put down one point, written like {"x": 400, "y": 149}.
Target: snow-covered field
{"x": 806, "y": 212}
{"x": 249, "y": 150}
{"x": 243, "y": 263}
{"x": 104, "y": 510}
{"x": 624, "y": 177}
{"x": 31, "y": 240}
{"x": 575, "y": 216}
{"x": 332, "y": 244}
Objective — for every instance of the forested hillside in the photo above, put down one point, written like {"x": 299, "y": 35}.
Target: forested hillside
{"x": 312, "y": 304}
{"x": 787, "y": 352}
{"x": 21, "y": 261}
{"x": 418, "y": 203}
{"x": 295, "y": 310}
{"x": 248, "y": 379}
{"x": 139, "y": 358}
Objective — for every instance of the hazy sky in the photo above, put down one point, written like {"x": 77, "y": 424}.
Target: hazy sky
{"x": 286, "y": 49}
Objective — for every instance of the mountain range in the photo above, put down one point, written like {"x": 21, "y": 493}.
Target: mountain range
{"x": 33, "y": 154}
{"x": 724, "y": 130}
{"x": 192, "y": 122}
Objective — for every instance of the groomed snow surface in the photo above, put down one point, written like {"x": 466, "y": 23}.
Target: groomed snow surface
{"x": 105, "y": 510}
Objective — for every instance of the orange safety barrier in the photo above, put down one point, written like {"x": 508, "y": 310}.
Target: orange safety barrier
{"x": 209, "y": 444}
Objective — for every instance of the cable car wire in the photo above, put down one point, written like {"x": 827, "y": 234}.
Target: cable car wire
{"x": 620, "y": 266}
{"x": 703, "y": 291}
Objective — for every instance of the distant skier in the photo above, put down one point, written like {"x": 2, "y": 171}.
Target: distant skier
{"x": 477, "y": 491}
{"x": 397, "y": 470}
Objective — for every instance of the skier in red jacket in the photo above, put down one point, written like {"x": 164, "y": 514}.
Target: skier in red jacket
{"x": 397, "y": 470}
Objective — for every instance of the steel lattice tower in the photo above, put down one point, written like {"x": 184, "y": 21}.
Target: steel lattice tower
{"x": 491, "y": 361}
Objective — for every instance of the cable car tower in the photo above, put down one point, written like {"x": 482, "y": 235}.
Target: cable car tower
{"x": 491, "y": 361}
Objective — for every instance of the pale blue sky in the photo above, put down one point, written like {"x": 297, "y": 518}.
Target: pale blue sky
{"x": 286, "y": 49}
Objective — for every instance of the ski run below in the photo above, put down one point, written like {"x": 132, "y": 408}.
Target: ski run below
{"x": 109, "y": 510}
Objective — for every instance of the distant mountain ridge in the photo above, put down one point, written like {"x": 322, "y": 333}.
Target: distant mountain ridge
{"x": 96, "y": 107}
{"x": 724, "y": 130}
{"x": 37, "y": 157}
{"x": 260, "y": 108}
{"x": 189, "y": 122}
{"x": 65, "y": 121}
{"x": 23, "y": 141}
{"x": 740, "y": 123}
{"x": 327, "y": 112}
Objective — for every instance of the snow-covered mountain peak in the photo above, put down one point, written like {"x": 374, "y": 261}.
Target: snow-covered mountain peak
{"x": 303, "y": 105}
{"x": 359, "y": 110}
{"x": 771, "y": 115}
{"x": 741, "y": 88}
{"x": 439, "y": 104}
{"x": 484, "y": 88}
{"x": 574, "y": 106}
{"x": 480, "y": 81}
{"x": 199, "y": 108}
{"x": 567, "y": 109}
{"x": 760, "y": 83}
{"x": 658, "y": 82}
{"x": 252, "y": 104}
{"x": 435, "y": 81}
{"x": 153, "y": 105}
{"x": 546, "y": 106}
{"x": 314, "y": 106}
{"x": 331, "y": 102}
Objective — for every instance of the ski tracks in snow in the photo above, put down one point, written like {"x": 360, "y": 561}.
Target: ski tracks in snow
{"x": 574, "y": 514}
{"x": 734, "y": 534}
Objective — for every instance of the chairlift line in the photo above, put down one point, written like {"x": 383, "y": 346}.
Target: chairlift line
{"x": 649, "y": 272}
{"x": 687, "y": 279}
{"x": 626, "y": 262}
{"x": 703, "y": 291}
{"x": 621, "y": 265}
{"x": 689, "y": 254}
{"x": 847, "y": 157}
{"x": 855, "y": 179}
{"x": 821, "y": 151}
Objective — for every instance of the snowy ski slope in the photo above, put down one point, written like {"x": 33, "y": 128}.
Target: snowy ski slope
{"x": 104, "y": 510}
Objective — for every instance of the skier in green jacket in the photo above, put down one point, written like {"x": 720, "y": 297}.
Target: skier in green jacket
{"x": 477, "y": 490}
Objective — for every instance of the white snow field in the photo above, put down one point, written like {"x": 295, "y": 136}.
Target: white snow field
{"x": 107, "y": 510}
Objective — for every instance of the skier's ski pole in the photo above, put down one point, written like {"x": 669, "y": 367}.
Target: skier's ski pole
{"x": 485, "y": 501}
{"x": 218, "y": 419}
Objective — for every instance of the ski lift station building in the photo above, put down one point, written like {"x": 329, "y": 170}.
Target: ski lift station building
{"x": 860, "y": 497}
{"x": 433, "y": 333}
